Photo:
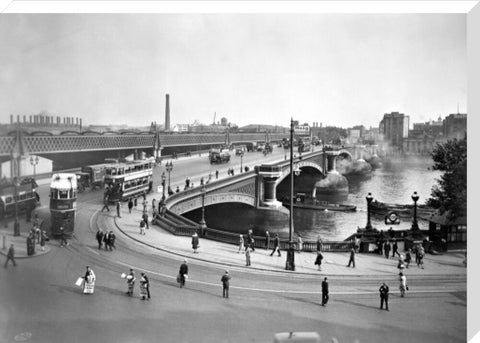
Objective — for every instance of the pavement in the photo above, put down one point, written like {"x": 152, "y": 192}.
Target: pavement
{"x": 450, "y": 263}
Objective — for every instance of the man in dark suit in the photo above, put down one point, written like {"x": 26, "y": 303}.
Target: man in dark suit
{"x": 383, "y": 296}
{"x": 276, "y": 245}
{"x": 183, "y": 272}
{"x": 352, "y": 258}
{"x": 324, "y": 292}
{"x": 99, "y": 237}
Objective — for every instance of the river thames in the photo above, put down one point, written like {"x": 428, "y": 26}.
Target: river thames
{"x": 393, "y": 183}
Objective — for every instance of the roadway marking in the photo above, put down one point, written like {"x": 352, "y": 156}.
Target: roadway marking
{"x": 278, "y": 290}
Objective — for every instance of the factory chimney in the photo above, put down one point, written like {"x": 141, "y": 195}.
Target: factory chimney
{"x": 167, "y": 113}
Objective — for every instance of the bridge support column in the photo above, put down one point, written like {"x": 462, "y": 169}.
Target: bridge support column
{"x": 267, "y": 192}
{"x": 332, "y": 163}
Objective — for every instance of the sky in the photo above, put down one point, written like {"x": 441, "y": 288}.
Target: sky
{"x": 335, "y": 69}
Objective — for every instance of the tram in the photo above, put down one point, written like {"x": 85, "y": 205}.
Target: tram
{"x": 63, "y": 203}
{"x": 23, "y": 198}
{"x": 128, "y": 179}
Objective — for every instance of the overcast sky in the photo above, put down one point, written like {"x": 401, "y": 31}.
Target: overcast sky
{"x": 338, "y": 69}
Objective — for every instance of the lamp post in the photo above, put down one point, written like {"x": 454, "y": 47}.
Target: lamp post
{"x": 169, "y": 168}
{"x": 290, "y": 263}
{"x": 34, "y": 162}
{"x": 163, "y": 185}
{"x": 16, "y": 224}
{"x": 203, "y": 224}
{"x": 415, "y": 198}
{"x": 369, "y": 200}
{"x": 241, "y": 162}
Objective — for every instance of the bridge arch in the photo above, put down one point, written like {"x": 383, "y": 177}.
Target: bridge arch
{"x": 211, "y": 199}
{"x": 345, "y": 154}
{"x": 300, "y": 164}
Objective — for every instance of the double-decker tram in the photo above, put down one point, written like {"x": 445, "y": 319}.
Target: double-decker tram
{"x": 128, "y": 179}
{"x": 22, "y": 198}
{"x": 63, "y": 203}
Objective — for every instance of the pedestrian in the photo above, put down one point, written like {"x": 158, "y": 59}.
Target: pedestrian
{"x": 43, "y": 239}
{"x": 318, "y": 260}
{"x": 401, "y": 264}
{"x": 226, "y": 283}
{"x": 420, "y": 256}
{"x": 177, "y": 190}
{"x": 37, "y": 233}
{"x": 380, "y": 246}
{"x": 145, "y": 219}
{"x": 145, "y": 205}
{"x": 325, "y": 295}
{"x": 267, "y": 240}
{"x": 250, "y": 240}
{"x": 118, "y": 205}
{"x": 408, "y": 258}
{"x": 300, "y": 244}
{"x": 195, "y": 241}
{"x": 111, "y": 240}
{"x": 352, "y": 258}
{"x": 142, "y": 227}
{"x": 106, "y": 240}
{"x": 63, "y": 238}
{"x": 233, "y": 172}
{"x": 403, "y": 284}
{"x": 187, "y": 182}
{"x": 247, "y": 255}
{"x": 319, "y": 244}
{"x": 130, "y": 282}
{"x": 386, "y": 249}
{"x": 395, "y": 248}
{"x": 383, "y": 295}
{"x": 30, "y": 244}
{"x": 183, "y": 273}
{"x": 154, "y": 203}
{"x": 89, "y": 281}
{"x": 276, "y": 245}
{"x": 144, "y": 286}
{"x": 99, "y": 236}
{"x": 10, "y": 256}
{"x": 130, "y": 205}
{"x": 240, "y": 243}
{"x": 202, "y": 182}
{"x": 105, "y": 203}
{"x": 135, "y": 202}
{"x": 216, "y": 174}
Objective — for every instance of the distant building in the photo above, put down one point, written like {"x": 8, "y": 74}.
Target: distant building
{"x": 43, "y": 121}
{"x": 354, "y": 136}
{"x": 455, "y": 126}
{"x": 394, "y": 127}
{"x": 181, "y": 128}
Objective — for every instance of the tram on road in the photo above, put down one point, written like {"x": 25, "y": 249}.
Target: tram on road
{"x": 63, "y": 203}
{"x": 128, "y": 179}
{"x": 23, "y": 198}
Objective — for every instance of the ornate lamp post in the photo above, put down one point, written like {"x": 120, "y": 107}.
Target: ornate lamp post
{"x": 169, "y": 168}
{"x": 34, "y": 162}
{"x": 369, "y": 200}
{"x": 16, "y": 224}
{"x": 415, "y": 198}
{"x": 203, "y": 224}
{"x": 241, "y": 162}
{"x": 290, "y": 264}
{"x": 163, "y": 185}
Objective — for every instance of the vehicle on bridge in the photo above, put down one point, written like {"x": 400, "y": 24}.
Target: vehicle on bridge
{"x": 239, "y": 149}
{"x": 23, "y": 197}
{"x": 63, "y": 203}
{"x": 219, "y": 156}
{"x": 251, "y": 146}
{"x": 304, "y": 145}
{"x": 128, "y": 179}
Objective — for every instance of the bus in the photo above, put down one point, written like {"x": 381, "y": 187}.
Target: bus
{"x": 63, "y": 203}
{"x": 23, "y": 198}
{"x": 96, "y": 174}
{"x": 128, "y": 179}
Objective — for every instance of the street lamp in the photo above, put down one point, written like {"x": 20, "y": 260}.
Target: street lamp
{"x": 16, "y": 224}
{"x": 369, "y": 200}
{"x": 169, "y": 167}
{"x": 163, "y": 185}
{"x": 241, "y": 162}
{"x": 415, "y": 198}
{"x": 290, "y": 263}
{"x": 203, "y": 224}
{"x": 34, "y": 162}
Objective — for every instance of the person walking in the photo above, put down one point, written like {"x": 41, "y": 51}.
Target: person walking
{"x": 195, "y": 241}
{"x": 403, "y": 284}
{"x": 10, "y": 256}
{"x": 319, "y": 244}
{"x": 145, "y": 219}
{"x": 144, "y": 286}
{"x": 118, "y": 205}
{"x": 216, "y": 174}
{"x": 142, "y": 227}
{"x": 130, "y": 282}
{"x": 135, "y": 202}
{"x": 226, "y": 283}
{"x": 111, "y": 240}
{"x": 106, "y": 240}
{"x": 408, "y": 258}
{"x": 401, "y": 264}
{"x": 63, "y": 238}
{"x": 383, "y": 296}
{"x": 105, "y": 203}
{"x": 352, "y": 258}
{"x": 89, "y": 281}
{"x": 420, "y": 256}
{"x": 395, "y": 248}
{"x": 183, "y": 273}
{"x": 241, "y": 242}
{"x": 130, "y": 205}
{"x": 267, "y": 240}
{"x": 318, "y": 260}
{"x": 300, "y": 243}
{"x": 386, "y": 249}
{"x": 43, "y": 239}
{"x": 250, "y": 240}
{"x": 154, "y": 204}
{"x": 247, "y": 256}
{"x": 177, "y": 190}
{"x": 325, "y": 295}
{"x": 276, "y": 245}
{"x": 99, "y": 237}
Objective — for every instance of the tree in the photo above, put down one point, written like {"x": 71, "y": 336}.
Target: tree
{"x": 450, "y": 193}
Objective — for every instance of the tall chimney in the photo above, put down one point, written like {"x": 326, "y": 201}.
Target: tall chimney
{"x": 167, "y": 113}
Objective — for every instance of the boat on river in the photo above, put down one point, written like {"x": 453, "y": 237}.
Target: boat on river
{"x": 403, "y": 210}
{"x": 301, "y": 201}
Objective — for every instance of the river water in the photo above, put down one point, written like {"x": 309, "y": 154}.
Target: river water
{"x": 393, "y": 183}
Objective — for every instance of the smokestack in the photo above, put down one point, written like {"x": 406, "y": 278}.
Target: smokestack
{"x": 167, "y": 112}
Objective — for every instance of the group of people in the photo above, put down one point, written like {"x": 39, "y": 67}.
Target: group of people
{"x": 107, "y": 238}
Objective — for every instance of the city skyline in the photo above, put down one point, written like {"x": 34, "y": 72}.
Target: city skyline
{"x": 338, "y": 70}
